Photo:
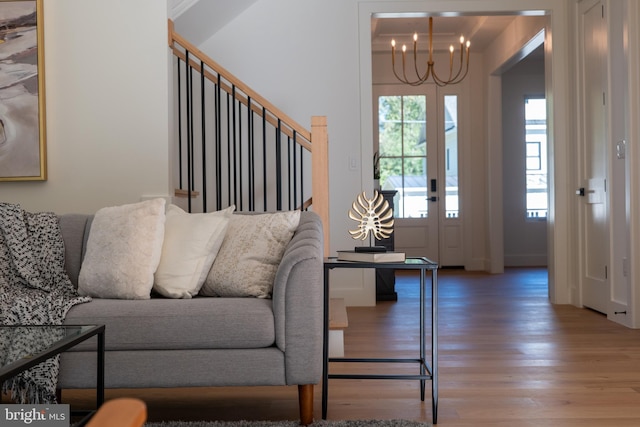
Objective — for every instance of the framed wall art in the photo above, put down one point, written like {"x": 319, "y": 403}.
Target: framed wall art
{"x": 22, "y": 94}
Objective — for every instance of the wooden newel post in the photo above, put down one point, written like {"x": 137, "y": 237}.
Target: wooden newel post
{"x": 320, "y": 173}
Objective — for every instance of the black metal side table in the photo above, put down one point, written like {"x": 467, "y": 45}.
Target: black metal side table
{"x": 427, "y": 371}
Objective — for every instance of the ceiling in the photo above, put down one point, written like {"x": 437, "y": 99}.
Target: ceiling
{"x": 480, "y": 30}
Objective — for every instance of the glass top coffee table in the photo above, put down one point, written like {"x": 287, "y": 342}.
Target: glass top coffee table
{"x": 43, "y": 342}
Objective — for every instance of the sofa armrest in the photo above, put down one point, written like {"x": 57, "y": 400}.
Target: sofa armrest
{"x": 298, "y": 302}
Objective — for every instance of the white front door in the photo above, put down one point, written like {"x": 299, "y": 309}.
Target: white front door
{"x": 406, "y": 128}
{"x": 594, "y": 207}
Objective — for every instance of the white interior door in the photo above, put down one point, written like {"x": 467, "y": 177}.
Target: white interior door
{"x": 594, "y": 201}
{"x": 406, "y": 129}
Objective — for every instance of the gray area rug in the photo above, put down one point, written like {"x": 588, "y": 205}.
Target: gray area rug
{"x": 319, "y": 423}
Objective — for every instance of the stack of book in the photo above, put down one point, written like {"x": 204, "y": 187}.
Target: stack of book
{"x": 359, "y": 256}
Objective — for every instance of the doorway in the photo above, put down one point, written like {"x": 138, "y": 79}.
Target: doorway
{"x": 481, "y": 159}
{"x": 525, "y": 162}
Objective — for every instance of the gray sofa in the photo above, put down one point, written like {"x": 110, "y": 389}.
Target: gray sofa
{"x": 206, "y": 341}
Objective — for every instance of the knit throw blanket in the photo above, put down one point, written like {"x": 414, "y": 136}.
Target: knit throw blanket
{"x": 34, "y": 290}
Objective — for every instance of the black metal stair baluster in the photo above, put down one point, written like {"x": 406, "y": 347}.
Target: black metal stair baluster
{"x": 179, "y": 124}
{"x": 252, "y": 197}
{"x": 204, "y": 139}
{"x": 279, "y": 166}
{"x": 301, "y": 177}
{"x": 239, "y": 161}
{"x": 218, "y": 147}
{"x": 229, "y": 151}
{"x": 189, "y": 131}
{"x": 235, "y": 147}
{"x": 289, "y": 167}
{"x": 264, "y": 158}
{"x": 295, "y": 171}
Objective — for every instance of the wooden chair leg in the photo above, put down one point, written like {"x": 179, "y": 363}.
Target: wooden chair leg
{"x": 121, "y": 412}
{"x": 305, "y": 400}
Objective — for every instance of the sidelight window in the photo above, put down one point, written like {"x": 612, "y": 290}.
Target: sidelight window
{"x": 536, "y": 157}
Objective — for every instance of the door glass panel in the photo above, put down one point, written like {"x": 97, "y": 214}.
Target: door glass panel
{"x": 451, "y": 156}
{"x": 415, "y": 188}
{"x": 402, "y": 148}
{"x": 415, "y": 125}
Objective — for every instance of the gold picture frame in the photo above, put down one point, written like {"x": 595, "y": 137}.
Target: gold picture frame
{"x": 23, "y": 155}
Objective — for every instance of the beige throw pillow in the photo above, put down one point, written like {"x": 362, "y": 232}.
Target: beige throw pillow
{"x": 123, "y": 251}
{"x": 191, "y": 243}
{"x": 248, "y": 260}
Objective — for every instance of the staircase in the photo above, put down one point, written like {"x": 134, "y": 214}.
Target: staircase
{"x": 233, "y": 147}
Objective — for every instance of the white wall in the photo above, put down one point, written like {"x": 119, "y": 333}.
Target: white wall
{"x": 107, "y": 106}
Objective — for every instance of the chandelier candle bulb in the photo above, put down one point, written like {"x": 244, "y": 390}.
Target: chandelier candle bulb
{"x": 450, "y": 60}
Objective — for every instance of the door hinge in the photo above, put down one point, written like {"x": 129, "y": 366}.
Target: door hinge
{"x": 606, "y": 272}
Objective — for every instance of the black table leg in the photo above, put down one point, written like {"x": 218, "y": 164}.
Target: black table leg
{"x": 325, "y": 346}
{"x": 434, "y": 345}
{"x": 423, "y": 360}
{"x": 100, "y": 373}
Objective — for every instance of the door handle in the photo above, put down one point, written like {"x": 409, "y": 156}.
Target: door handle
{"x": 432, "y": 198}
{"x": 581, "y": 192}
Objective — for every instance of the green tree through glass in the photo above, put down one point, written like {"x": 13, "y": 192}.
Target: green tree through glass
{"x": 402, "y": 143}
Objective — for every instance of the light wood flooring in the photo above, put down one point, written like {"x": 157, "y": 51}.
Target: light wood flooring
{"x": 507, "y": 358}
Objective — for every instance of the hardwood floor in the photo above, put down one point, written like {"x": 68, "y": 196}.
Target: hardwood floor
{"x": 507, "y": 358}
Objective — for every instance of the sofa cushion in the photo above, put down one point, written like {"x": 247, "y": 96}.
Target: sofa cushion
{"x": 248, "y": 260}
{"x": 165, "y": 323}
{"x": 191, "y": 243}
{"x": 123, "y": 251}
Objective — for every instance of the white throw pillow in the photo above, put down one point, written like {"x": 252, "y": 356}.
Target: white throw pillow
{"x": 191, "y": 243}
{"x": 248, "y": 260}
{"x": 123, "y": 251}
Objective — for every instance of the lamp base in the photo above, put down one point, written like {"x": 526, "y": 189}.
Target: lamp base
{"x": 370, "y": 249}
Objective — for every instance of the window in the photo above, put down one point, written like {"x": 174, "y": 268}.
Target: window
{"x": 403, "y": 152}
{"x": 536, "y": 157}
{"x": 451, "y": 156}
